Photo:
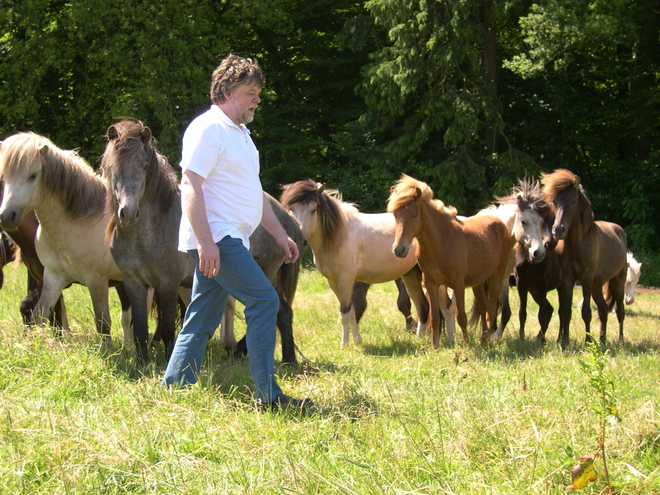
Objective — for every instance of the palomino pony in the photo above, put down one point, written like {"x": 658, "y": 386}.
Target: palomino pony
{"x": 144, "y": 206}
{"x": 453, "y": 253}
{"x": 69, "y": 201}
{"x": 351, "y": 246}
{"x": 523, "y": 211}
{"x": 590, "y": 252}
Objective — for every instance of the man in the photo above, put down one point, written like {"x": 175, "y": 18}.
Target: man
{"x": 223, "y": 203}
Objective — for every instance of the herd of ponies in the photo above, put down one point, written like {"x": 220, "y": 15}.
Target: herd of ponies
{"x": 119, "y": 228}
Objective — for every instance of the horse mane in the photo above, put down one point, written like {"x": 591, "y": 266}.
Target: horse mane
{"x": 405, "y": 191}
{"x": 559, "y": 181}
{"x": 331, "y": 210}
{"x": 65, "y": 174}
{"x": 527, "y": 195}
{"x": 161, "y": 187}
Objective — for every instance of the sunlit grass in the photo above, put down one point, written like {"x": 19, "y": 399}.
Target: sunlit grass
{"x": 393, "y": 415}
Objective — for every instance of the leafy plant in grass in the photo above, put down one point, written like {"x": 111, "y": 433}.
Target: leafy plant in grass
{"x": 594, "y": 367}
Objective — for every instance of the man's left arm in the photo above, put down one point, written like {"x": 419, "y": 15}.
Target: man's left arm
{"x": 273, "y": 226}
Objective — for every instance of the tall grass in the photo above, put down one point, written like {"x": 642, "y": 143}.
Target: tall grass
{"x": 393, "y": 416}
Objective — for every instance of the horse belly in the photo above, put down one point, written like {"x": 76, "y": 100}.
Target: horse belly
{"x": 612, "y": 251}
{"x": 376, "y": 263}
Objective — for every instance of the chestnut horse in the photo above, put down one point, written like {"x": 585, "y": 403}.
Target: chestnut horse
{"x": 453, "y": 253}
{"x": 351, "y": 246}
{"x": 591, "y": 252}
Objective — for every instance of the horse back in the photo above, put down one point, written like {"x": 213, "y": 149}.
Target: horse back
{"x": 488, "y": 243}
{"x": 612, "y": 252}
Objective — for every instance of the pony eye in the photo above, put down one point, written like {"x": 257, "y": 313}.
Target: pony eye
{"x": 33, "y": 176}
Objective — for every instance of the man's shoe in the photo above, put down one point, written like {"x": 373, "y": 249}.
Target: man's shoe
{"x": 286, "y": 403}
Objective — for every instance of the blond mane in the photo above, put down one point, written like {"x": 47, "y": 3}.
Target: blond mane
{"x": 65, "y": 174}
{"x": 406, "y": 191}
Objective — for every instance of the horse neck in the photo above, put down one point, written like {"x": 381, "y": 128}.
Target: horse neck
{"x": 436, "y": 223}
{"x": 508, "y": 213}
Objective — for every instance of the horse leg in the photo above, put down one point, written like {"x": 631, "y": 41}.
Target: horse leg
{"x": 448, "y": 310}
{"x": 433, "y": 292}
{"x": 403, "y": 303}
{"x": 285, "y": 326}
{"x": 506, "y": 309}
{"x": 461, "y": 316}
{"x": 601, "y": 306}
{"x": 413, "y": 285}
{"x": 51, "y": 291}
{"x": 167, "y": 308}
{"x": 565, "y": 295}
{"x": 136, "y": 290}
{"x": 343, "y": 289}
{"x": 359, "y": 299}
{"x": 522, "y": 311}
{"x": 126, "y": 313}
{"x": 587, "y": 288}
{"x": 227, "y": 329}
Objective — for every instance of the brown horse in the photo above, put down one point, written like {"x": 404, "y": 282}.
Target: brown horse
{"x": 453, "y": 253}
{"x": 590, "y": 252}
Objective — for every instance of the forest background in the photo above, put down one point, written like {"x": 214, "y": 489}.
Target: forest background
{"x": 467, "y": 95}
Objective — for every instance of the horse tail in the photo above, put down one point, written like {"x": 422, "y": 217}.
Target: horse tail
{"x": 475, "y": 315}
{"x": 609, "y": 299}
{"x": 287, "y": 280}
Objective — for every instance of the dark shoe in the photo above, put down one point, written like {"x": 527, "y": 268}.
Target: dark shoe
{"x": 286, "y": 403}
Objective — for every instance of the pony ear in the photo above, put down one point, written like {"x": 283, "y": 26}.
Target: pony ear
{"x": 576, "y": 182}
{"x": 320, "y": 188}
{"x": 112, "y": 133}
{"x": 43, "y": 150}
{"x": 418, "y": 193}
{"x": 145, "y": 135}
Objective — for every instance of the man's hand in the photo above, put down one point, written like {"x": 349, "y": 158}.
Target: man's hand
{"x": 209, "y": 259}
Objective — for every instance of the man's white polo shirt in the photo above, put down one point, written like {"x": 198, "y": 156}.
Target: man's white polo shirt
{"x": 224, "y": 155}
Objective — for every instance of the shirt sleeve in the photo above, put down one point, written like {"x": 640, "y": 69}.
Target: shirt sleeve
{"x": 201, "y": 147}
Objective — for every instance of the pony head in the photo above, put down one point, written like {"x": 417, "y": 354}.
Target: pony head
{"x": 531, "y": 213}
{"x": 406, "y": 197}
{"x": 562, "y": 188}
{"x": 133, "y": 169}
{"x": 319, "y": 211}
{"x": 32, "y": 167}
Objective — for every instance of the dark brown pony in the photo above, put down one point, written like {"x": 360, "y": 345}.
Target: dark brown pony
{"x": 453, "y": 253}
{"x": 590, "y": 252}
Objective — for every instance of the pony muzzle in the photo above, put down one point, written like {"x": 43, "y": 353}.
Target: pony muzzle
{"x": 400, "y": 250}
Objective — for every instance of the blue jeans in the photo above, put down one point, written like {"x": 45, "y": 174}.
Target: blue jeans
{"x": 241, "y": 277}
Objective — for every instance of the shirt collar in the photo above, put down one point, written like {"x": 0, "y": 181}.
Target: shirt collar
{"x": 225, "y": 117}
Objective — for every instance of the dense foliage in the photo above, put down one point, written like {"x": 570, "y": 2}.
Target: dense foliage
{"x": 466, "y": 95}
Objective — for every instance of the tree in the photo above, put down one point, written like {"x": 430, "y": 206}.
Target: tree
{"x": 591, "y": 70}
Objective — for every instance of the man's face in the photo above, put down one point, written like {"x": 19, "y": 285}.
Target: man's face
{"x": 243, "y": 101}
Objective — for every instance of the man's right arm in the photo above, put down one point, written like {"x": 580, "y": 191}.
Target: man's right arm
{"x": 194, "y": 207}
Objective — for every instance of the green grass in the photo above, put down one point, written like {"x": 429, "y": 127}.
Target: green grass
{"x": 393, "y": 415}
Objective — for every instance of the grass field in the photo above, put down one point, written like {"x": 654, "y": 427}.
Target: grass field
{"x": 393, "y": 416}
